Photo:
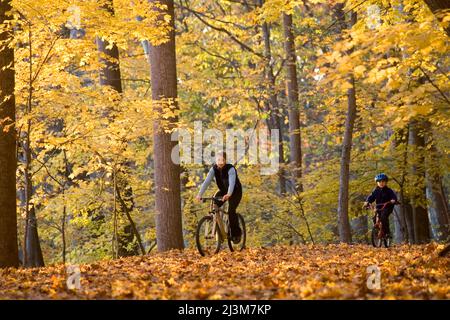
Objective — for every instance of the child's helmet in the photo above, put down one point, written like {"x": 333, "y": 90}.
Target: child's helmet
{"x": 381, "y": 177}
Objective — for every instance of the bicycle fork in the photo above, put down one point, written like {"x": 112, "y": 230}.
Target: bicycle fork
{"x": 379, "y": 224}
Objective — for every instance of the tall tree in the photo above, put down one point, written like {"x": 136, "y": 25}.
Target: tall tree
{"x": 167, "y": 172}
{"x": 32, "y": 253}
{"x": 405, "y": 224}
{"x": 399, "y": 151}
{"x": 293, "y": 101}
{"x": 418, "y": 201}
{"x": 110, "y": 72}
{"x": 438, "y": 207}
{"x": 9, "y": 256}
{"x": 344, "y": 177}
{"x": 272, "y": 106}
{"x": 110, "y": 76}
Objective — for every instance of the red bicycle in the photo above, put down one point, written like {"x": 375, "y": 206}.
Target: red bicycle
{"x": 378, "y": 236}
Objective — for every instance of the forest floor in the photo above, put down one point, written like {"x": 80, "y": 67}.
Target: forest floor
{"x": 280, "y": 272}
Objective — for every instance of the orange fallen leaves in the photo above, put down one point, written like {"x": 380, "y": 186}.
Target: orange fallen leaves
{"x": 281, "y": 272}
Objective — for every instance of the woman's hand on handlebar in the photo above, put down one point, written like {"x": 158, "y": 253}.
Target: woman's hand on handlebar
{"x": 198, "y": 198}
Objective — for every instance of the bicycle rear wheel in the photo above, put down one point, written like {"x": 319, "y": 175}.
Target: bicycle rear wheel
{"x": 207, "y": 239}
{"x": 241, "y": 245}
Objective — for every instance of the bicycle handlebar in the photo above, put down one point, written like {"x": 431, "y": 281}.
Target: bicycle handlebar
{"x": 211, "y": 198}
{"x": 382, "y": 205}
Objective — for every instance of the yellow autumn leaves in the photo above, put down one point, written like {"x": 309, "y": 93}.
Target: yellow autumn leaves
{"x": 282, "y": 272}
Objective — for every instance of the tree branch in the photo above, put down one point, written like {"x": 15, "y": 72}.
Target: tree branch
{"x": 220, "y": 29}
{"x": 434, "y": 85}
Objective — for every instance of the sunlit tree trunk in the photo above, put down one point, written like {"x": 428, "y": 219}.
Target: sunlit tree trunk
{"x": 344, "y": 177}
{"x": 110, "y": 76}
{"x": 167, "y": 173}
{"x": 293, "y": 101}
{"x": 275, "y": 116}
{"x": 9, "y": 256}
{"x": 32, "y": 253}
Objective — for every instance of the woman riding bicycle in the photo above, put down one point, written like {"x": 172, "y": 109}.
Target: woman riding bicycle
{"x": 230, "y": 188}
{"x": 383, "y": 194}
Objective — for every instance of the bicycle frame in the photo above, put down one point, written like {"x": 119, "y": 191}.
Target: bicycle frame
{"x": 375, "y": 208}
{"x": 377, "y": 212}
{"x": 218, "y": 214}
{"x": 214, "y": 228}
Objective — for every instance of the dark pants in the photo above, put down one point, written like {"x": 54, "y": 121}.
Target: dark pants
{"x": 384, "y": 217}
{"x": 234, "y": 201}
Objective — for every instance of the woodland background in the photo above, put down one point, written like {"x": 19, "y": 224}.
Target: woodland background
{"x": 87, "y": 87}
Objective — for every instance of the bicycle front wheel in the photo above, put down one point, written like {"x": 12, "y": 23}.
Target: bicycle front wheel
{"x": 207, "y": 237}
{"x": 387, "y": 242}
{"x": 376, "y": 240}
{"x": 241, "y": 245}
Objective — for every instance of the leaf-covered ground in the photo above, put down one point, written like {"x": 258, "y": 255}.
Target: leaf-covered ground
{"x": 294, "y": 272}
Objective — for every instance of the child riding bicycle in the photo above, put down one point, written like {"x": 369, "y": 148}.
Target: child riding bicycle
{"x": 383, "y": 194}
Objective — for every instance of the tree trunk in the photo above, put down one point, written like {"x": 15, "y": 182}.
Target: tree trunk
{"x": 275, "y": 116}
{"x": 110, "y": 75}
{"x": 167, "y": 173}
{"x": 437, "y": 7}
{"x": 110, "y": 72}
{"x": 33, "y": 256}
{"x": 293, "y": 102}
{"x": 418, "y": 201}
{"x": 63, "y": 234}
{"x": 9, "y": 252}
{"x": 32, "y": 246}
{"x": 406, "y": 208}
{"x": 438, "y": 205}
{"x": 406, "y": 213}
{"x": 344, "y": 177}
{"x": 399, "y": 231}
{"x": 400, "y": 226}
{"x": 409, "y": 219}
{"x": 400, "y": 141}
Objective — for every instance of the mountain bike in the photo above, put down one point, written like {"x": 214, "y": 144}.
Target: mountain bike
{"x": 378, "y": 237}
{"x": 214, "y": 228}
